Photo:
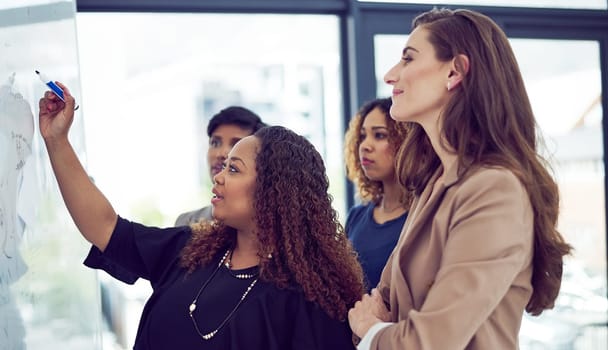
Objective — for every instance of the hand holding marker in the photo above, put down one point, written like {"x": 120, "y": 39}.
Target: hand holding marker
{"x": 54, "y": 87}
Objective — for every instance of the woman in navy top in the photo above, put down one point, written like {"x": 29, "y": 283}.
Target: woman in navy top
{"x": 273, "y": 271}
{"x": 372, "y": 142}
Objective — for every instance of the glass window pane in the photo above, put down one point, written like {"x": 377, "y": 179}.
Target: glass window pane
{"x": 563, "y": 82}
{"x": 165, "y": 75}
{"x": 579, "y": 4}
{"x": 387, "y": 52}
{"x": 152, "y": 81}
{"x": 565, "y": 95}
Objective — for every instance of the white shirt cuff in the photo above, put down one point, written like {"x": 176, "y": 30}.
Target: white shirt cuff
{"x": 366, "y": 341}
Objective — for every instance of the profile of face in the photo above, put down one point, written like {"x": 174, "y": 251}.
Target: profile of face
{"x": 234, "y": 185}
{"x": 419, "y": 80}
{"x": 376, "y": 154}
{"x": 221, "y": 141}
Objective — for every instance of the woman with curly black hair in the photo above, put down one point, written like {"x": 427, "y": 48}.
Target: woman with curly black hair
{"x": 274, "y": 271}
{"x": 371, "y": 144}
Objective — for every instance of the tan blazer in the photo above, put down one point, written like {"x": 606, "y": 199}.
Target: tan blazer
{"x": 460, "y": 275}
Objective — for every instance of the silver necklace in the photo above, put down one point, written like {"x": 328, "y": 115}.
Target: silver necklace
{"x": 228, "y": 264}
{"x": 192, "y": 306}
{"x": 385, "y": 210}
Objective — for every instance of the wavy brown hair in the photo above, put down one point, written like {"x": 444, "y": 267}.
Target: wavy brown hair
{"x": 296, "y": 224}
{"x": 369, "y": 190}
{"x": 489, "y": 121}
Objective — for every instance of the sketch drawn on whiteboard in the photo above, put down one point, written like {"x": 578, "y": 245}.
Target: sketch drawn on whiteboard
{"x": 16, "y": 133}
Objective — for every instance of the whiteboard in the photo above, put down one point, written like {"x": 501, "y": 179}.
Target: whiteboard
{"x": 48, "y": 299}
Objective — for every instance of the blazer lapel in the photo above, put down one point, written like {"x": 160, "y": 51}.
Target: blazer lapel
{"x": 425, "y": 206}
{"x": 402, "y": 303}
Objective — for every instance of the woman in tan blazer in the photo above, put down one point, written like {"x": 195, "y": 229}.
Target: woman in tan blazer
{"x": 480, "y": 245}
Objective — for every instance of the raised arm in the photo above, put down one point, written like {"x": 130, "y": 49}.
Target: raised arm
{"x": 91, "y": 211}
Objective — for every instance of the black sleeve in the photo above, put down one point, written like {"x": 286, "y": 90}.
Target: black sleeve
{"x": 136, "y": 251}
{"x": 314, "y": 329}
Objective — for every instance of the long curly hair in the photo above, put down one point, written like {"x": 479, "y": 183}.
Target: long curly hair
{"x": 302, "y": 244}
{"x": 370, "y": 190}
{"x": 489, "y": 121}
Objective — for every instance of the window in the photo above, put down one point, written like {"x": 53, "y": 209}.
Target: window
{"x": 162, "y": 76}
{"x": 580, "y": 4}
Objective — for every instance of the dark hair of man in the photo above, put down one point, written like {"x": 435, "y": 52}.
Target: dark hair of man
{"x": 235, "y": 115}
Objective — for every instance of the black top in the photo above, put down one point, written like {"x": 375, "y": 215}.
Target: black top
{"x": 269, "y": 318}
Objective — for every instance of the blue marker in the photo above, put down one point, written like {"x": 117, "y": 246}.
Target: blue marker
{"x": 54, "y": 87}
{"x": 51, "y": 84}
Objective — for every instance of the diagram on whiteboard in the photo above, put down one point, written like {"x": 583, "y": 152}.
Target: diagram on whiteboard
{"x": 16, "y": 134}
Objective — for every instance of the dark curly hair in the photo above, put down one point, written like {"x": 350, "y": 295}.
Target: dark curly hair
{"x": 370, "y": 190}
{"x": 296, "y": 224}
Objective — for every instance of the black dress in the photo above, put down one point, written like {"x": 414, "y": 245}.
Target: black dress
{"x": 268, "y": 318}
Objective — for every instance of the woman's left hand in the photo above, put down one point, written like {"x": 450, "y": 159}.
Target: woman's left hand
{"x": 367, "y": 312}
{"x": 380, "y": 310}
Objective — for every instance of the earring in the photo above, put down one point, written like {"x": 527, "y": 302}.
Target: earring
{"x": 449, "y": 86}
{"x": 269, "y": 255}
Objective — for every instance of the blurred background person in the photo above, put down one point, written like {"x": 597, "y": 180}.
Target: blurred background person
{"x": 371, "y": 144}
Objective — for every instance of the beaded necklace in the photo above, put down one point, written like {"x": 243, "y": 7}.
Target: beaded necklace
{"x": 228, "y": 264}
{"x": 225, "y": 259}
